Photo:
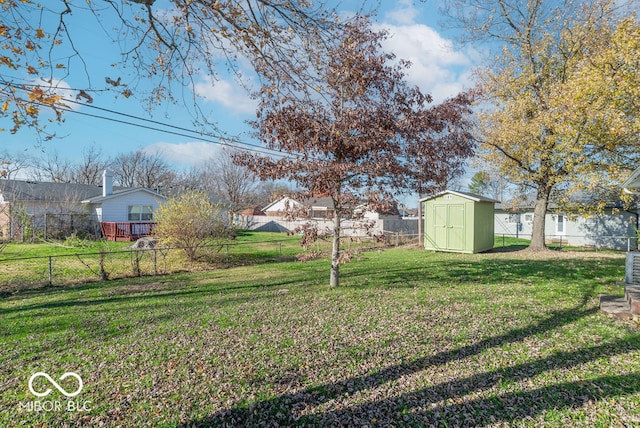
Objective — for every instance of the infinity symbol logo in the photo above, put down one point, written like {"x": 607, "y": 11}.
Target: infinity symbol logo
{"x": 55, "y": 384}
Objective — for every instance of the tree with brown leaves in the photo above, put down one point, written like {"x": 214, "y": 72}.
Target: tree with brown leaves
{"x": 170, "y": 45}
{"x": 365, "y": 136}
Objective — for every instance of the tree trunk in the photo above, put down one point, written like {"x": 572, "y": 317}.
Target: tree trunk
{"x": 335, "y": 252}
{"x": 539, "y": 215}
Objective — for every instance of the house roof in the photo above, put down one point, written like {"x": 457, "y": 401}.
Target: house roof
{"x": 280, "y": 201}
{"x": 120, "y": 193}
{"x": 312, "y": 202}
{"x": 632, "y": 185}
{"x": 528, "y": 202}
{"x": 256, "y": 210}
{"x": 42, "y": 191}
{"x": 466, "y": 195}
{"x": 318, "y": 202}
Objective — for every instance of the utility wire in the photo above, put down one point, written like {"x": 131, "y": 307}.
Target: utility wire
{"x": 166, "y": 131}
{"x": 231, "y": 142}
{"x": 22, "y": 87}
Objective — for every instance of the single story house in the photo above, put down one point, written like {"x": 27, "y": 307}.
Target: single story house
{"x": 125, "y": 214}
{"x": 29, "y": 208}
{"x": 614, "y": 228}
{"x": 48, "y": 209}
{"x": 320, "y": 207}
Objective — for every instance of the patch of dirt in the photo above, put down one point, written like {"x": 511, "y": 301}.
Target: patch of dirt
{"x": 550, "y": 254}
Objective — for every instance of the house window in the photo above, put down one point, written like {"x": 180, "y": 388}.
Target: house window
{"x": 140, "y": 213}
{"x": 561, "y": 224}
{"x": 513, "y": 219}
{"x": 528, "y": 218}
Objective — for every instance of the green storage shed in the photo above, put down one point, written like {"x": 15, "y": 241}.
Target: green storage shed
{"x": 458, "y": 222}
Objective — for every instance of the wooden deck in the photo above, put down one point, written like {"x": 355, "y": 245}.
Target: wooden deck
{"x": 126, "y": 231}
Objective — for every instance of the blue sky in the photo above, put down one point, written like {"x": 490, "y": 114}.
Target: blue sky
{"x": 438, "y": 68}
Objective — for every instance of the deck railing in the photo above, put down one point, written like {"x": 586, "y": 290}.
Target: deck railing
{"x": 126, "y": 231}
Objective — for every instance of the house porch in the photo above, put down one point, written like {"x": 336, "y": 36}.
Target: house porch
{"x": 126, "y": 231}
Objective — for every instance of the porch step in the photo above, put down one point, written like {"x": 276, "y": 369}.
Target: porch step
{"x": 626, "y": 307}
{"x": 632, "y": 294}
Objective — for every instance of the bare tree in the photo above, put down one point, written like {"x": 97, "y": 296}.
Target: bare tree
{"x": 52, "y": 167}
{"x": 235, "y": 183}
{"x": 89, "y": 170}
{"x": 12, "y": 163}
{"x": 192, "y": 179}
{"x": 140, "y": 169}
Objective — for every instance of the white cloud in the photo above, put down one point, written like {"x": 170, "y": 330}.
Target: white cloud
{"x": 404, "y": 14}
{"x": 436, "y": 67}
{"x": 230, "y": 94}
{"x": 192, "y": 153}
{"x": 62, "y": 88}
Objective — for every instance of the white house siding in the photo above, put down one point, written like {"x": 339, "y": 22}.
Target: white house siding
{"x": 609, "y": 230}
{"x": 279, "y": 207}
{"x": 116, "y": 209}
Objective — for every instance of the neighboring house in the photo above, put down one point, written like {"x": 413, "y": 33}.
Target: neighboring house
{"x": 256, "y": 210}
{"x": 125, "y": 214}
{"x": 632, "y": 185}
{"x": 320, "y": 209}
{"x": 315, "y": 207}
{"x": 391, "y": 214}
{"x": 49, "y": 209}
{"x": 614, "y": 228}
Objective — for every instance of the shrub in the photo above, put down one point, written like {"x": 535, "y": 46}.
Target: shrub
{"x": 191, "y": 221}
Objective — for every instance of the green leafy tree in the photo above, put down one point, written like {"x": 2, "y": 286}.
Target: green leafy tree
{"x": 191, "y": 221}
{"x": 482, "y": 183}
{"x": 560, "y": 107}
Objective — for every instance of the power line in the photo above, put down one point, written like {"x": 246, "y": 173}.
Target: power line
{"x": 254, "y": 148}
{"x": 121, "y": 113}
{"x": 184, "y": 132}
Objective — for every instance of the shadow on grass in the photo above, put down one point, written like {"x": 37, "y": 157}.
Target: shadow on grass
{"x": 507, "y": 248}
{"x": 486, "y": 271}
{"x": 136, "y": 291}
{"x": 445, "y": 403}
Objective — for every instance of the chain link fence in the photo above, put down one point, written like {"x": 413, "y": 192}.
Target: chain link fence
{"x": 59, "y": 270}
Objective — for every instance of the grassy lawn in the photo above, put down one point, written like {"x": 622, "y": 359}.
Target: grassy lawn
{"x": 412, "y": 338}
{"x": 80, "y": 261}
